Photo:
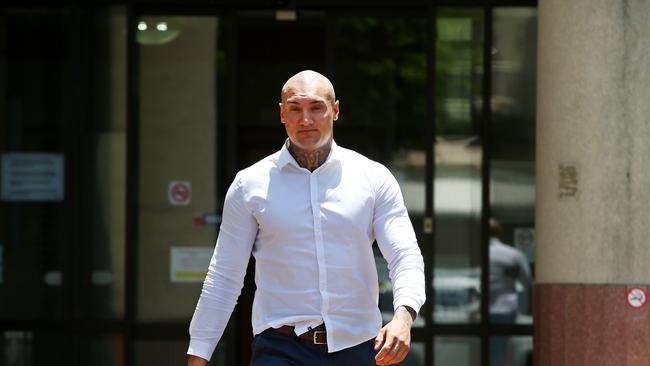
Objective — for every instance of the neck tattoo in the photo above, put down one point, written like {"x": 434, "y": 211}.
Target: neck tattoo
{"x": 310, "y": 159}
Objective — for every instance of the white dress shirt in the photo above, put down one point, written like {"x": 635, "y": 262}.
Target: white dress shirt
{"x": 311, "y": 234}
{"x": 507, "y": 266}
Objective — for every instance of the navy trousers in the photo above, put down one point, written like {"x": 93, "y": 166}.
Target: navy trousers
{"x": 272, "y": 348}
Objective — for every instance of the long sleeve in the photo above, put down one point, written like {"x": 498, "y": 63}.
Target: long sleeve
{"x": 396, "y": 239}
{"x": 225, "y": 276}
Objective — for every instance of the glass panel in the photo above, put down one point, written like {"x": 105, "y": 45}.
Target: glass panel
{"x": 457, "y": 351}
{"x": 172, "y": 352}
{"x": 381, "y": 81}
{"x": 512, "y": 175}
{"x": 416, "y": 356}
{"x": 177, "y": 200}
{"x": 154, "y": 353}
{"x": 17, "y": 348}
{"x": 21, "y": 348}
{"x": 511, "y": 351}
{"x": 37, "y": 49}
{"x": 105, "y": 350}
{"x": 107, "y": 166}
{"x": 51, "y": 172}
{"x": 259, "y": 83}
{"x": 458, "y": 151}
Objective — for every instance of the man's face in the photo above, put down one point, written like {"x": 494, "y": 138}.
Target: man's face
{"x": 308, "y": 116}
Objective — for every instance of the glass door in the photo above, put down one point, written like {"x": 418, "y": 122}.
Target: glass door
{"x": 270, "y": 48}
{"x": 378, "y": 65}
{"x": 62, "y": 159}
{"x": 458, "y": 151}
{"x": 413, "y": 91}
{"x": 177, "y": 203}
{"x": 380, "y": 72}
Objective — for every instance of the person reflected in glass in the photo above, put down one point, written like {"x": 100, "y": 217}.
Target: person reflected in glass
{"x": 309, "y": 214}
{"x": 510, "y": 279}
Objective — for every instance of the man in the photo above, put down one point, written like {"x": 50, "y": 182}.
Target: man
{"x": 309, "y": 214}
{"x": 508, "y": 265}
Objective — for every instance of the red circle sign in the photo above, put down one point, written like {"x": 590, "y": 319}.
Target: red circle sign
{"x": 180, "y": 193}
{"x": 637, "y": 297}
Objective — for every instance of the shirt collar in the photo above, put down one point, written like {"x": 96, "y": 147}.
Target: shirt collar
{"x": 286, "y": 157}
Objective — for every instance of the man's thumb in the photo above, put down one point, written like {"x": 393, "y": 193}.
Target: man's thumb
{"x": 379, "y": 339}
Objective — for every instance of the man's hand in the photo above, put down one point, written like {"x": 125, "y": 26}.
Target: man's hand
{"x": 394, "y": 339}
{"x": 196, "y": 361}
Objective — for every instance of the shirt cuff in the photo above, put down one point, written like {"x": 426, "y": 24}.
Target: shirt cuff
{"x": 200, "y": 349}
{"x": 413, "y": 304}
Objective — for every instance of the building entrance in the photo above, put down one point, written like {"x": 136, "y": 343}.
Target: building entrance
{"x": 151, "y": 109}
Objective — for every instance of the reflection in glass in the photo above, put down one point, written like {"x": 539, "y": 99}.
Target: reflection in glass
{"x": 160, "y": 352}
{"x": 512, "y": 176}
{"x": 381, "y": 81}
{"x": 51, "y": 246}
{"x": 35, "y": 232}
{"x": 177, "y": 154}
{"x": 24, "y": 348}
{"x": 415, "y": 357}
{"x": 510, "y": 279}
{"x": 105, "y": 350}
{"x": 511, "y": 351}
{"x": 16, "y": 348}
{"x": 108, "y": 169}
{"x": 259, "y": 82}
{"x": 458, "y": 153}
{"x": 457, "y": 351}
{"x": 156, "y": 32}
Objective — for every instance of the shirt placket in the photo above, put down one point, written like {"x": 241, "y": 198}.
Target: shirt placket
{"x": 318, "y": 238}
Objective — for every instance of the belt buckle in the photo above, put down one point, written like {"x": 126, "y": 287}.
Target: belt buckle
{"x": 316, "y": 333}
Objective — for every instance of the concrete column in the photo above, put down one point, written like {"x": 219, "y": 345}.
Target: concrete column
{"x": 593, "y": 183}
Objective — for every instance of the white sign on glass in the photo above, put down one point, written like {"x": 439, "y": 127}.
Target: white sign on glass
{"x": 32, "y": 177}
{"x": 525, "y": 241}
{"x": 189, "y": 264}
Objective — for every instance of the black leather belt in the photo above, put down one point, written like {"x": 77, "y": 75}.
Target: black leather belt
{"x": 317, "y": 335}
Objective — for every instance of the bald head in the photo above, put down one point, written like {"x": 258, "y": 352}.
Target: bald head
{"x": 309, "y": 81}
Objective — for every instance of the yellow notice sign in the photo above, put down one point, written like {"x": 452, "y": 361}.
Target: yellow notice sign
{"x": 189, "y": 264}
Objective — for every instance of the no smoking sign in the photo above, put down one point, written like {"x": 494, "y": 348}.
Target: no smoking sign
{"x": 637, "y": 297}
{"x": 179, "y": 192}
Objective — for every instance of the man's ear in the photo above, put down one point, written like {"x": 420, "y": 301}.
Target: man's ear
{"x": 281, "y": 117}
{"x": 335, "y": 110}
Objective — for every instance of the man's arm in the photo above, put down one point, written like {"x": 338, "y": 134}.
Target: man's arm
{"x": 225, "y": 277}
{"x": 398, "y": 244}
